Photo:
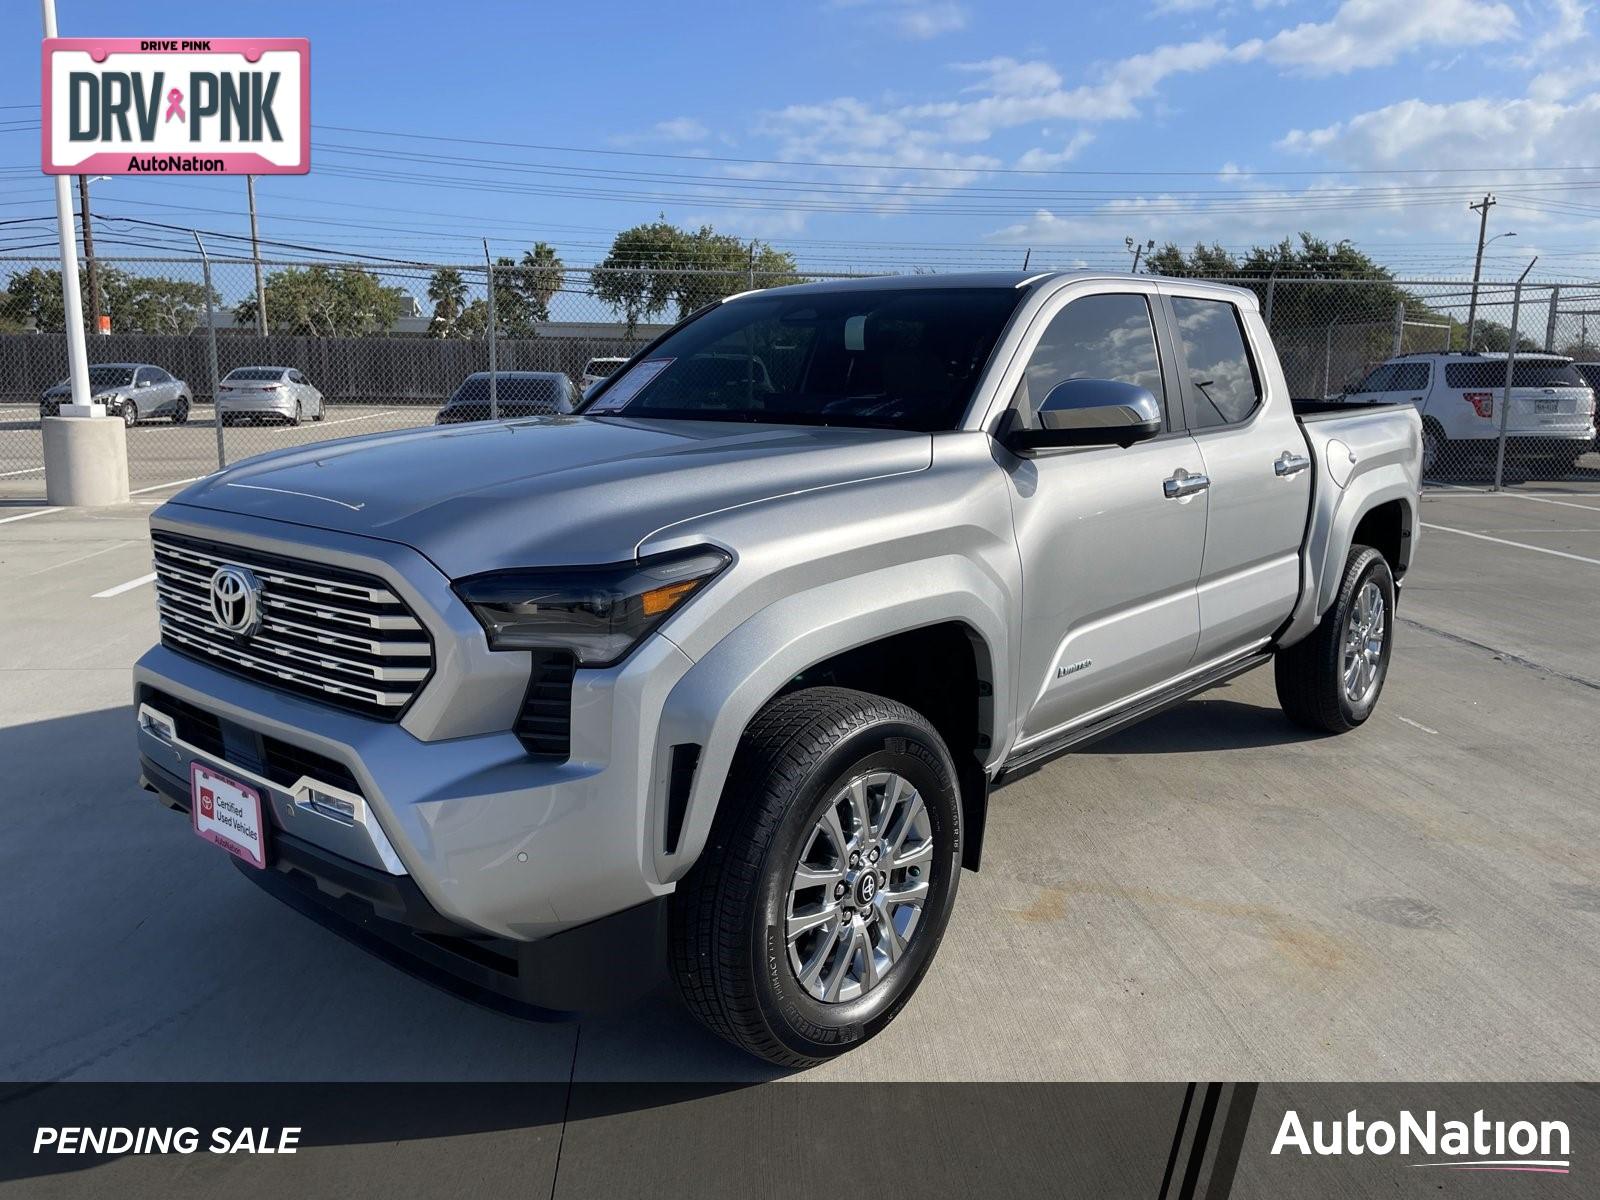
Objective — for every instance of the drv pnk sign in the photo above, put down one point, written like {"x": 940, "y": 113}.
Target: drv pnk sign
{"x": 177, "y": 106}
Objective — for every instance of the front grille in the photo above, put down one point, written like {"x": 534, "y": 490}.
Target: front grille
{"x": 544, "y": 725}
{"x": 333, "y": 635}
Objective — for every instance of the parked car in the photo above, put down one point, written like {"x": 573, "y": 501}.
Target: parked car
{"x": 726, "y": 675}
{"x": 132, "y": 391}
{"x": 1591, "y": 375}
{"x": 1550, "y": 422}
{"x": 268, "y": 394}
{"x": 597, "y": 369}
{"x": 516, "y": 394}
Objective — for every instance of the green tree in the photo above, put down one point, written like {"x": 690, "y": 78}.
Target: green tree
{"x": 326, "y": 301}
{"x": 658, "y": 266}
{"x": 135, "y": 303}
{"x": 448, "y": 291}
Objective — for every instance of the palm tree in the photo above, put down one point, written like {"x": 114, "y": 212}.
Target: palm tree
{"x": 541, "y": 275}
{"x": 448, "y": 291}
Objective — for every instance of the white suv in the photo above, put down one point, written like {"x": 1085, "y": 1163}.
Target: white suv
{"x": 1551, "y": 418}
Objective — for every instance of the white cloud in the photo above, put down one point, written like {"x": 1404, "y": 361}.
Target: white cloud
{"x": 1376, "y": 33}
{"x": 1568, "y": 27}
{"x": 1038, "y": 159}
{"x": 1415, "y": 134}
{"x": 915, "y": 19}
{"x": 923, "y": 21}
{"x": 682, "y": 129}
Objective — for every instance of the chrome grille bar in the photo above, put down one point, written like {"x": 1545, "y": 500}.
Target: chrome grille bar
{"x": 325, "y": 632}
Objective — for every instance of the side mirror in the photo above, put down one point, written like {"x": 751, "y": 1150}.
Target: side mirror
{"x": 1091, "y": 412}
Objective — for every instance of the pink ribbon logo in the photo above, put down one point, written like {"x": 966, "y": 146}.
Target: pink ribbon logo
{"x": 175, "y": 105}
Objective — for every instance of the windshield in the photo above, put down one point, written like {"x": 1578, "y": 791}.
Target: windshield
{"x": 901, "y": 359}
{"x": 256, "y": 373}
{"x": 104, "y": 377}
{"x": 541, "y": 394}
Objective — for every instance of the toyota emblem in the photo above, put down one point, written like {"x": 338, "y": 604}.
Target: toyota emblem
{"x": 236, "y": 600}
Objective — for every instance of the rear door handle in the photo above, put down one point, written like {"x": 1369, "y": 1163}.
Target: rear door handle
{"x": 1289, "y": 463}
{"x": 1182, "y": 484}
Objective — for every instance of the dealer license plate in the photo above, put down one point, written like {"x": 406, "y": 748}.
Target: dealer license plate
{"x": 228, "y": 814}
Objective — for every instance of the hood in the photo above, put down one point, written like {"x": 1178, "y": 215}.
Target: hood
{"x": 548, "y": 491}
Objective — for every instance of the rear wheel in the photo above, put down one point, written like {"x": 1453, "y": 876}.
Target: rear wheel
{"x": 1434, "y": 445}
{"x": 1331, "y": 680}
{"x": 828, "y": 878}
{"x": 298, "y": 413}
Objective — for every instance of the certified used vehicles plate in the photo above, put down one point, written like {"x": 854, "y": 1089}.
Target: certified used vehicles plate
{"x": 228, "y": 814}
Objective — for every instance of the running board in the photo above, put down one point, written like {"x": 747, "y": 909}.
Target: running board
{"x": 1035, "y": 757}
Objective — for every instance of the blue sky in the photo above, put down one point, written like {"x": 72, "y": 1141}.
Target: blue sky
{"x": 895, "y": 132}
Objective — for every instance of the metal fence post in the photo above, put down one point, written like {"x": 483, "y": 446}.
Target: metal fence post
{"x": 494, "y": 395}
{"x": 1550, "y": 321}
{"x": 211, "y": 350}
{"x": 1511, "y": 363}
{"x": 1327, "y": 361}
{"x": 1399, "y": 327}
{"x": 1272, "y": 286}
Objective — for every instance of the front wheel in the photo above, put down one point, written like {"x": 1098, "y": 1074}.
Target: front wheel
{"x": 1330, "y": 681}
{"x": 130, "y": 413}
{"x": 824, "y": 889}
{"x": 180, "y": 414}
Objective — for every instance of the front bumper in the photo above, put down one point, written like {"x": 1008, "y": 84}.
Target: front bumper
{"x": 388, "y": 916}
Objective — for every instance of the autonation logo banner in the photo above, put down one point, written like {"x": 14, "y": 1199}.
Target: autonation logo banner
{"x": 170, "y": 106}
{"x": 1475, "y": 1143}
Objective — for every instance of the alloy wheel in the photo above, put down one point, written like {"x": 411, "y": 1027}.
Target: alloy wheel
{"x": 1365, "y": 629}
{"x": 856, "y": 898}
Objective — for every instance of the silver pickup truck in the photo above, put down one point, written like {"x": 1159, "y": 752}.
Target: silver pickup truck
{"x": 718, "y": 673}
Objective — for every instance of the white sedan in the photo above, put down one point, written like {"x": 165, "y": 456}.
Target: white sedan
{"x": 268, "y": 394}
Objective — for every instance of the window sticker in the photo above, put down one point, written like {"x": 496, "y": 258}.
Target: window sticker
{"x": 621, "y": 393}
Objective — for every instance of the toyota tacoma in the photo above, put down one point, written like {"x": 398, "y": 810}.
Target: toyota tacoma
{"x": 717, "y": 674}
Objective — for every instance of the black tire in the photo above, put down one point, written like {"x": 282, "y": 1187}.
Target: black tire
{"x": 729, "y": 950}
{"x": 1439, "y": 463}
{"x": 180, "y": 414}
{"x": 1309, "y": 674}
{"x": 298, "y": 413}
{"x": 130, "y": 413}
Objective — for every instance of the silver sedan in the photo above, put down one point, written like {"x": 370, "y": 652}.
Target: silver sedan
{"x": 268, "y": 394}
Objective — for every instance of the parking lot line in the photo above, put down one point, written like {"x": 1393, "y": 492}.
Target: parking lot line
{"x": 40, "y": 512}
{"x": 124, "y": 587}
{"x": 367, "y": 417}
{"x": 156, "y": 487}
{"x": 1484, "y": 537}
{"x": 1459, "y": 493}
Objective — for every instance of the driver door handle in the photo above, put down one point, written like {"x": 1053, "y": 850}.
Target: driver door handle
{"x": 1182, "y": 484}
{"x": 1290, "y": 463}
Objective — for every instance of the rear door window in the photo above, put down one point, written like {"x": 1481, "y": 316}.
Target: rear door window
{"x": 1223, "y": 386}
{"x": 1410, "y": 377}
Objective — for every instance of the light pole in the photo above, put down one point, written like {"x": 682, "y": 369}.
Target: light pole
{"x": 71, "y": 300}
{"x": 1137, "y": 250}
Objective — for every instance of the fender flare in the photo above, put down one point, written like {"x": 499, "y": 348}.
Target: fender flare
{"x": 714, "y": 701}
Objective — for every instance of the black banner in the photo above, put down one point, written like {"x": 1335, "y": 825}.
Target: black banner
{"x": 1160, "y": 1141}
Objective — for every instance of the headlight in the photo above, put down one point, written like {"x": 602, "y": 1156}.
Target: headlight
{"x": 598, "y": 613}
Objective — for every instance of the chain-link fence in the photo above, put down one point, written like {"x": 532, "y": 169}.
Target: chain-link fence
{"x": 319, "y": 350}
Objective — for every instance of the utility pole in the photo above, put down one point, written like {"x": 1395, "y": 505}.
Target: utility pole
{"x": 96, "y": 308}
{"x": 1138, "y": 249}
{"x": 1482, "y": 208}
{"x": 255, "y": 254}
{"x": 71, "y": 300}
